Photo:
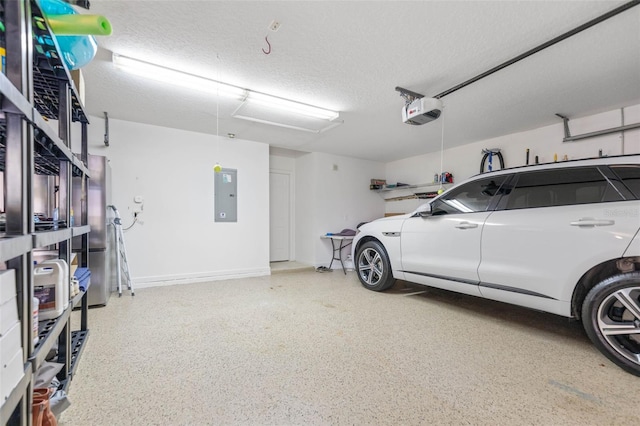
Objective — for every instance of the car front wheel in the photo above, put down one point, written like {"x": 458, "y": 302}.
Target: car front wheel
{"x": 611, "y": 318}
{"x": 373, "y": 266}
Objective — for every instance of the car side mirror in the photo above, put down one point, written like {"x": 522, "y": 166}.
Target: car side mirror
{"x": 424, "y": 210}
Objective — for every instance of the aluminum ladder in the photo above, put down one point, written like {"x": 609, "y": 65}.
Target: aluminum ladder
{"x": 122, "y": 266}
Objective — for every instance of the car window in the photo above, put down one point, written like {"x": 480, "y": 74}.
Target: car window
{"x": 560, "y": 187}
{"x": 468, "y": 198}
{"x": 630, "y": 175}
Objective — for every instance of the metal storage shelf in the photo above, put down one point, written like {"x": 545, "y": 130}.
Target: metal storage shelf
{"x": 76, "y": 231}
{"x": 50, "y": 94}
{"x": 46, "y": 85}
{"x": 9, "y": 405}
{"x": 48, "y": 149}
{"x": 49, "y": 330}
{"x": 48, "y": 71}
{"x": 78, "y": 340}
{"x": 77, "y": 299}
{"x": 11, "y": 247}
{"x": 48, "y": 238}
{"x": 14, "y": 97}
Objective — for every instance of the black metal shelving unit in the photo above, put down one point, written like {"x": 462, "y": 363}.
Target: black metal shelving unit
{"x": 35, "y": 87}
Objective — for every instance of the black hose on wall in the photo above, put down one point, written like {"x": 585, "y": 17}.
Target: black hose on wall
{"x": 495, "y": 154}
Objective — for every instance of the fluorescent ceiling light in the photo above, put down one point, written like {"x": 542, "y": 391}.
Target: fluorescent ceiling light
{"x": 180, "y": 78}
{"x": 177, "y": 78}
{"x": 292, "y": 106}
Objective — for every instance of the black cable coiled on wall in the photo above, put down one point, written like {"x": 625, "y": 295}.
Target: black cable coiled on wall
{"x": 486, "y": 155}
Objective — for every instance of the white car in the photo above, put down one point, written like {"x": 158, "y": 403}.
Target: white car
{"x": 561, "y": 237}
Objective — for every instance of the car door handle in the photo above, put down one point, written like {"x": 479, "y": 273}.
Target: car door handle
{"x": 466, "y": 225}
{"x": 591, "y": 222}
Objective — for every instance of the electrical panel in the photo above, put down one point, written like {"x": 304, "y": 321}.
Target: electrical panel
{"x": 226, "y": 195}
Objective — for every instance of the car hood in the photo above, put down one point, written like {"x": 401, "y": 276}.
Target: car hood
{"x": 385, "y": 222}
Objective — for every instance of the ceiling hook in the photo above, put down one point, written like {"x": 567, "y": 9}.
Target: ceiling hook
{"x": 266, "y": 52}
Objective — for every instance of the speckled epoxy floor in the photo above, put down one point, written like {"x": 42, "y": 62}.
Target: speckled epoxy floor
{"x": 308, "y": 348}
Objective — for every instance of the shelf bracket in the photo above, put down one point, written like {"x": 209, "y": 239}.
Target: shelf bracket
{"x": 567, "y": 133}
{"x": 106, "y": 129}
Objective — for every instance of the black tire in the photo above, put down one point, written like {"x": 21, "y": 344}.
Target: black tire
{"x": 610, "y": 309}
{"x": 373, "y": 266}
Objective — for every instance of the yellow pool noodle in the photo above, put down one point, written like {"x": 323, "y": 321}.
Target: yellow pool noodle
{"x": 76, "y": 24}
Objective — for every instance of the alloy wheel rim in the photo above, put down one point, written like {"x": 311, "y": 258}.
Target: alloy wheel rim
{"x": 619, "y": 322}
{"x": 370, "y": 266}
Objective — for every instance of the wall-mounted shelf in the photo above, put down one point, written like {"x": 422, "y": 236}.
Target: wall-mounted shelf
{"x": 421, "y": 185}
{"x": 409, "y": 191}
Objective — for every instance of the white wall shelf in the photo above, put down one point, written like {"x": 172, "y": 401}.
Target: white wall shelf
{"x": 420, "y": 185}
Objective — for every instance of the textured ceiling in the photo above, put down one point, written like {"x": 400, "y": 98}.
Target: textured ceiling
{"x": 350, "y": 55}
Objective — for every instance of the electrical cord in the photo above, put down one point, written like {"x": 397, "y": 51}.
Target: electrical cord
{"x": 135, "y": 220}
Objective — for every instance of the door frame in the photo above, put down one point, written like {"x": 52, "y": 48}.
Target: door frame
{"x": 292, "y": 216}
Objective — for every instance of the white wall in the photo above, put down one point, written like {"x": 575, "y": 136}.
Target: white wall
{"x": 464, "y": 161}
{"x": 277, "y": 162}
{"x": 173, "y": 170}
{"x": 306, "y": 205}
{"x": 287, "y": 165}
{"x": 329, "y": 200}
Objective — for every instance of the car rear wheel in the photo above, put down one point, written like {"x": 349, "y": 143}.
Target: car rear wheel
{"x": 373, "y": 266}
{"x": 611, "y": 318}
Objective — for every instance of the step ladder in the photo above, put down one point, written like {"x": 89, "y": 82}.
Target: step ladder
{"x": 122, "y": 266}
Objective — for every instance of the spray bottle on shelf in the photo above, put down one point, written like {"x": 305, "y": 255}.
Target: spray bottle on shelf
{"x": 56, "y": 218}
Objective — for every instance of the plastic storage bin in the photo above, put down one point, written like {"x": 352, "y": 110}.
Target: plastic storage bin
{"x": 11, "y": 364}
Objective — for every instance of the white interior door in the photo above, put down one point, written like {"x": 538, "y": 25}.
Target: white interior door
{"x": 279, "y": 216}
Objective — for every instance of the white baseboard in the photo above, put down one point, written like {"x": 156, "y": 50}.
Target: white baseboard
{"x": 197, "y": 277}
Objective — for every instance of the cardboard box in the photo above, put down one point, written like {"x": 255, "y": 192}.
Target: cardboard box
{"x": 78, "y": 80}
{"x": 74, "y": 264}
